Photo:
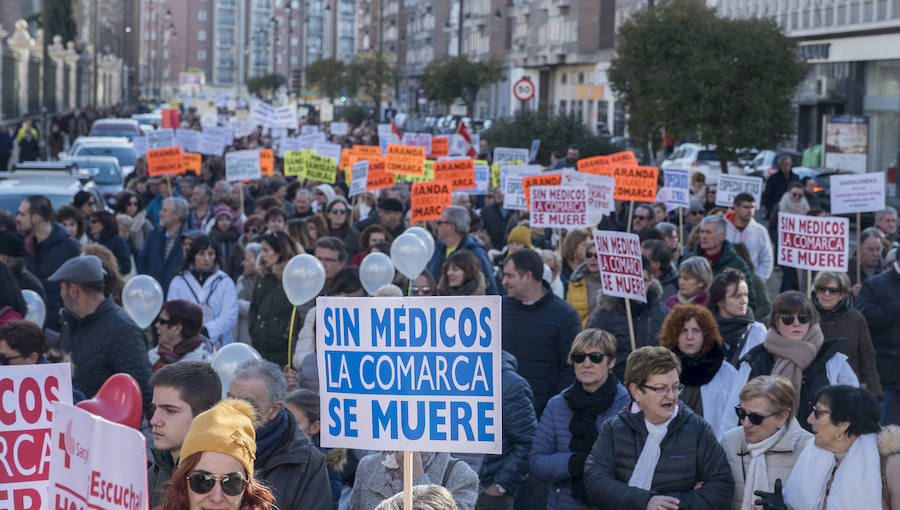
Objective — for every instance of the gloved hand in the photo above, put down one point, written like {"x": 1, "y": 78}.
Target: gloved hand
{"x": 771, "y": 500}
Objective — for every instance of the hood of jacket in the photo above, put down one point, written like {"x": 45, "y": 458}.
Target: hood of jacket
{"x": 58, "y": 234}
{"x": 275, "y": 269}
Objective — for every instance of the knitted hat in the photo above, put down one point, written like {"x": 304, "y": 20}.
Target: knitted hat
{"x": 221, "y": 210}
{"x": 225, "y": 428}
{"x": 521, "y": 235}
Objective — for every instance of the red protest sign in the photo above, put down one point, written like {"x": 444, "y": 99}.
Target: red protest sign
{"x": 539, "y": 180}
{"x": 460, "y": 172}
{"x": 170, "y": 118}
{"x": 623, "y": 158}
{"x": 558, "y": 207}
{"x": 636, "y": 183}
{"x": 167, "y": 160}
{"x": 597, "y": 165}
{"x": 428, "y": 200}
{"x": 816, "y": 243}
{"x": 619, "y": 256}
{"x": 378, "y": 178}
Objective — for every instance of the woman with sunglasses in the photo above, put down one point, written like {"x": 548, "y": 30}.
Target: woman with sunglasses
{"x": 129, "y": 203}
{"x": 851, "y": 463}
{"x": 657, "y": 454}
{"x": 216, "y": 470}
{"x": 765, "y": 445}
{"x": 270, "y": 310}
{"x": 104, "y": 229}
{"x": 178, "y": 332}
{"x": 831, "y": 295}
{"x": 337, "y": 215}
{"x": 711, "y": 384}
{"x": 796, "y": 349}
{"x": 570, "y": 421}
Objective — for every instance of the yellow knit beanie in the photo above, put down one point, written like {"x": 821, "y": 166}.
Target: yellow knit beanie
{"x": 520, "y": 234}
{"x": 225, "y": 428}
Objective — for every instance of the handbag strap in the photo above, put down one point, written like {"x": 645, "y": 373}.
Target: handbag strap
{"x": 448, "y": 470}
{"x": 736, "y": 355}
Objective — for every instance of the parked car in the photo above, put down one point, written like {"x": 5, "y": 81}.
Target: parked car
{"x": 129, "y": 128}
{"x": 766, "y": 162}
{"x": 109, "y": 178}
{"x": 57, "y": 180}
{"x": 696, "y": 158}
{"x": 152, "y": 120}
{"x": 120, "y": 149}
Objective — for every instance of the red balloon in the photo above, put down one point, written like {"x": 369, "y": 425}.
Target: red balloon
{"x": 119, "y": 401}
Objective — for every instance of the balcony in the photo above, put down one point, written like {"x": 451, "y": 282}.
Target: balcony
{"x": 807, "y": 18}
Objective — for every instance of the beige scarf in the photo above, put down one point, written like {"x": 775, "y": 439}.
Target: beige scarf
{"x": 792, "y": 357}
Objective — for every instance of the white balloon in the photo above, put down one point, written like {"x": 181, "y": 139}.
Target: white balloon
{"x": 37, "y": 312}
{"x": 142, "y": 299}
{"x": 376, "y": 270}
{"x": 424, "y": 236}
{"x": 409, "y": 255}
{"x": 229, "y": 358}
{"x": 303, "y": 279}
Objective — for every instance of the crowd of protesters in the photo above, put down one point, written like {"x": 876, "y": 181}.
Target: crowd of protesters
{"x": 730, "y": 398}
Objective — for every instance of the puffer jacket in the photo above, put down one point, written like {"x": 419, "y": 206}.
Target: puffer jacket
{"x": 510, "y": 468}
{"x": 550, "y": 453}
{"x": 217, "y": 297}
{"x": 780, "y": 458}
{"x": 161, "y": 469}
{"x": 43, "y": 259}
{"x": 879, "y": 302}
{"x": 579, "y": 292}
{"x": 270, "y": 317}
{"x": 689, "y": 454}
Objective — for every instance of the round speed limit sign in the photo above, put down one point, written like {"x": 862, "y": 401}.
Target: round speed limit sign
{"x": 523, "y": 89}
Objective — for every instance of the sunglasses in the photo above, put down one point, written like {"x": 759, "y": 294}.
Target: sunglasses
{"x": 590, "y": 255}
{"x": 233, "y": 484}
{"x": 579, "y": 357}
{"x": 4, "y": 359}
{"x": 819, "y": 412}
{"x": 253, "y": 231}
{"x": 339, "y": 211}
{"x": 642, "y": 218}
{"x": 696, "y": 213}
{"x": 754, "y": 418}
{"x": 421, "y": 290}
{"x": 796, "y": 195}
{"x": 829, "y": 290}
{"x": 165, "y": 322}
{"x": 787, "y": 320}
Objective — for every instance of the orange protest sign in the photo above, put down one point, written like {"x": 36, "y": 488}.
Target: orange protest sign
{"x": 460, "y": 172}
{"x": 597, "y": 165}
{"x": 440, "y": 146}
{"x": 428, "y": 200}
{"x": 367, "y": 150}
{"x": 192, "y": 162}
{"x": 636, "y": 183}
{"x": 266, "y": 161}
{"x": 539, "y": 180}
{"x": 623, "y": 158}
{"x": 346, "y": 154}
{"x": 167, "y": 160}
{"x": 405, "y": 159}
{"x": 378, "y": 178}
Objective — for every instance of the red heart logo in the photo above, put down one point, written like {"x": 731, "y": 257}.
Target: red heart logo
{"x": 119, "y": 401}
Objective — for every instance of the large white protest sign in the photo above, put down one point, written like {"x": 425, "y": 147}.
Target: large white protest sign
{"x": 505, "y": 154}
{"x": 601, "y": 189}
{"x": 558, "y": 207}
{"x": 339, "y": 128}
{"x": 307, "y": 129}
{"x": 810, "y": 242}
{"x": 95, "y": 463}
{"x": 511, "y": 182}
{"x": 482, "y": 180}
{"x": 679, "y": 189}
{"x": 242, "y": 165}
{"x": 261, "y": 113}
{"x": 730, "y": 185}
{"x": 210, "y": 144}
{"x": 224, "y": 133}
{"x": 140, "y": 145}
{"x": 857, "y": 193}
{"x": 359, "y": 178}
{"x": 329, "y": 150}
{"x": 161, "y": 138}
{"x": 285, "y": 116}
{"x": 619, "y": 256}
{"x": 410, "y": 374}
{"x": 27, "y": 393}
{"x": 418, "y": 140}
{"x": 288, "y": 143}
{"x": 188, "y": 139}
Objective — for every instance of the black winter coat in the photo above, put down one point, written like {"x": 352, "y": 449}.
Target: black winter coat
{"x": 776, "y": 186}
{"x": 510, "y": 468}
{"x": 540, "y": 336}
{"x": 270, "y": 317}
{"x": 43, "y": 259}
{"x": 118, "y": 247}
{"x": 159, "y": 473}
{"x": 296, "y": 473}
{"x": 879, "y": 302}
{"x": 690, "y": 454}
{"x": 152, "y": 259}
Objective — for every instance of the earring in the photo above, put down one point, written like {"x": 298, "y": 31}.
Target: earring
{"x": 840, "y": 436}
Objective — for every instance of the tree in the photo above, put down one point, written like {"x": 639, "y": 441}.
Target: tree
{"x": 60, "y": 20}
{"x": 556, "y": 133}
{"x": 729, "y": 82}
{"x": 329, "y": 75}
{"x": 265, "y": 85}
{"x": 370, "y": 76}
{"x": 452, "y": 78}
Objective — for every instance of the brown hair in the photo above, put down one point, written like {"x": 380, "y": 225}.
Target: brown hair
{"x": 778, "y": 390}
{"x": 680, "y": 314}
{"x": 463, "y": 259}
{"x": 572, "y": 241}
{"x": 175, "y": 496}
{"x": 367, "y": 233}
{"x": 792, "y": 302}
{"x": 648, "y": 361}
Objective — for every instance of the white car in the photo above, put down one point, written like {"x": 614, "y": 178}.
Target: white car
{"x": 119, "y": 148}
{"x": 128, "y": 128}
{"x": 696, "y": 158}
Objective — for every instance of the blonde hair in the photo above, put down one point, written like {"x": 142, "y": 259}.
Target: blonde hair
{"x": 593, "y": 339}
{"x": 424, "y": 497}
{"x": 778, "y": 390}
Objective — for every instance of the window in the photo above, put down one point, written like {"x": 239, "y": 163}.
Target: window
{"x": 201, "y": 15}
{"x": 581, "y": 78}
{"x": 201, "y": 54}
{"x": 293, "y": 60}
{"x": 201, "y": 35}
{"x": 294, "y": 41}
{"x": 165, "y": 53}
{"x": 563, "y": 78}
{"x": 562, "y": 106}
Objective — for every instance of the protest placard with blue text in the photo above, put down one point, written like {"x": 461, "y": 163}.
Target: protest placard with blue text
{"x": 679, "y": 191}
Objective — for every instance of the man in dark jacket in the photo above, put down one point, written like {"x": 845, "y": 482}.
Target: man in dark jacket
{"x": 47, "y": 245}
{"x": 99, "y": 336}
{"x": 879, "y": 302}
{"x": 12, "y": 249}
{"x": 161, "y": 256}
{"x": 181, "y": 391}
{"x": 538, "y": 327}
{"x": 720, "y": 253}
{"x": 285, "y": 458}
{"x": 389, "y": 215}
{"x": 777, "y": 184}
{"x": 502, "y": 474}
{"x": 453, "y": 234}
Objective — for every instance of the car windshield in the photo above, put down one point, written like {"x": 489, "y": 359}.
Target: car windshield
{"x": 125, "y": 155}
{"x": 708, "y": 156}
{"x": 106, "y": 172}
{"x": 10, "y": 202}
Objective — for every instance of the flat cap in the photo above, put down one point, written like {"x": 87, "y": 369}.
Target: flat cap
{"x": 83, "y": 269}
{"x": 390, "y": 204}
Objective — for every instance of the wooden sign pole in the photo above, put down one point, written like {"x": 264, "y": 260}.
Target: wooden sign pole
{"x": 858, "y": 261}
{"x": 630, "y": 324}
{"x": 680, "y": 232}
{"x": 630, "y": 212}
{"x": 169, "y": 183}
{"x": 407, "y": 480}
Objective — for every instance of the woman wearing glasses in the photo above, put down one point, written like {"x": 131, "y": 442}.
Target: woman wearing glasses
{"x": 831, "y": 295}
{"x": 768, "y": 440}
{"x": 796, "y": 349}
{"x": 711, "y": 384}
{"x": 178, "y": 331}
{"x": 337, "y": 215}
{"x": 216, "y": 470}
{"x": 569, "y": 424}
{"x": 129, "y": 203}
{"x": 657, "y": 454}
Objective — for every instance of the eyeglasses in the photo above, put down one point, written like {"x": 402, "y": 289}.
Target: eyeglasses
{"x": 4, "y": 359}
{"x": 754, "y": 418}
{"x": 829, "y": 290}
{"x": 253, "y": 231}
{"x": 787, "y": 320}
{"x": 695, "y": 213}
{"x": 796, "y": 195}
{"x": 421, "y": 290}
{"x": 595, "y": 357}
{"x": 664, "y": 390}
{"x": 441, "y": 222}
{"x": 339, "y": 212}
{"x": 328, "y": 259}
{"x": 819, "y": 412}
{"x": 165, "y": 322}
{"x": 233, "y": 484}
{"x": 641, "y": 217}
{"x": 590, "y": 255}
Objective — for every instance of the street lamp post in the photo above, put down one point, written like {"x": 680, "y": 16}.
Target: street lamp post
{"x": 290, "y": 32}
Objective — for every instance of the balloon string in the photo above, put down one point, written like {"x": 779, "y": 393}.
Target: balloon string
{"x": 291, "y": 334}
